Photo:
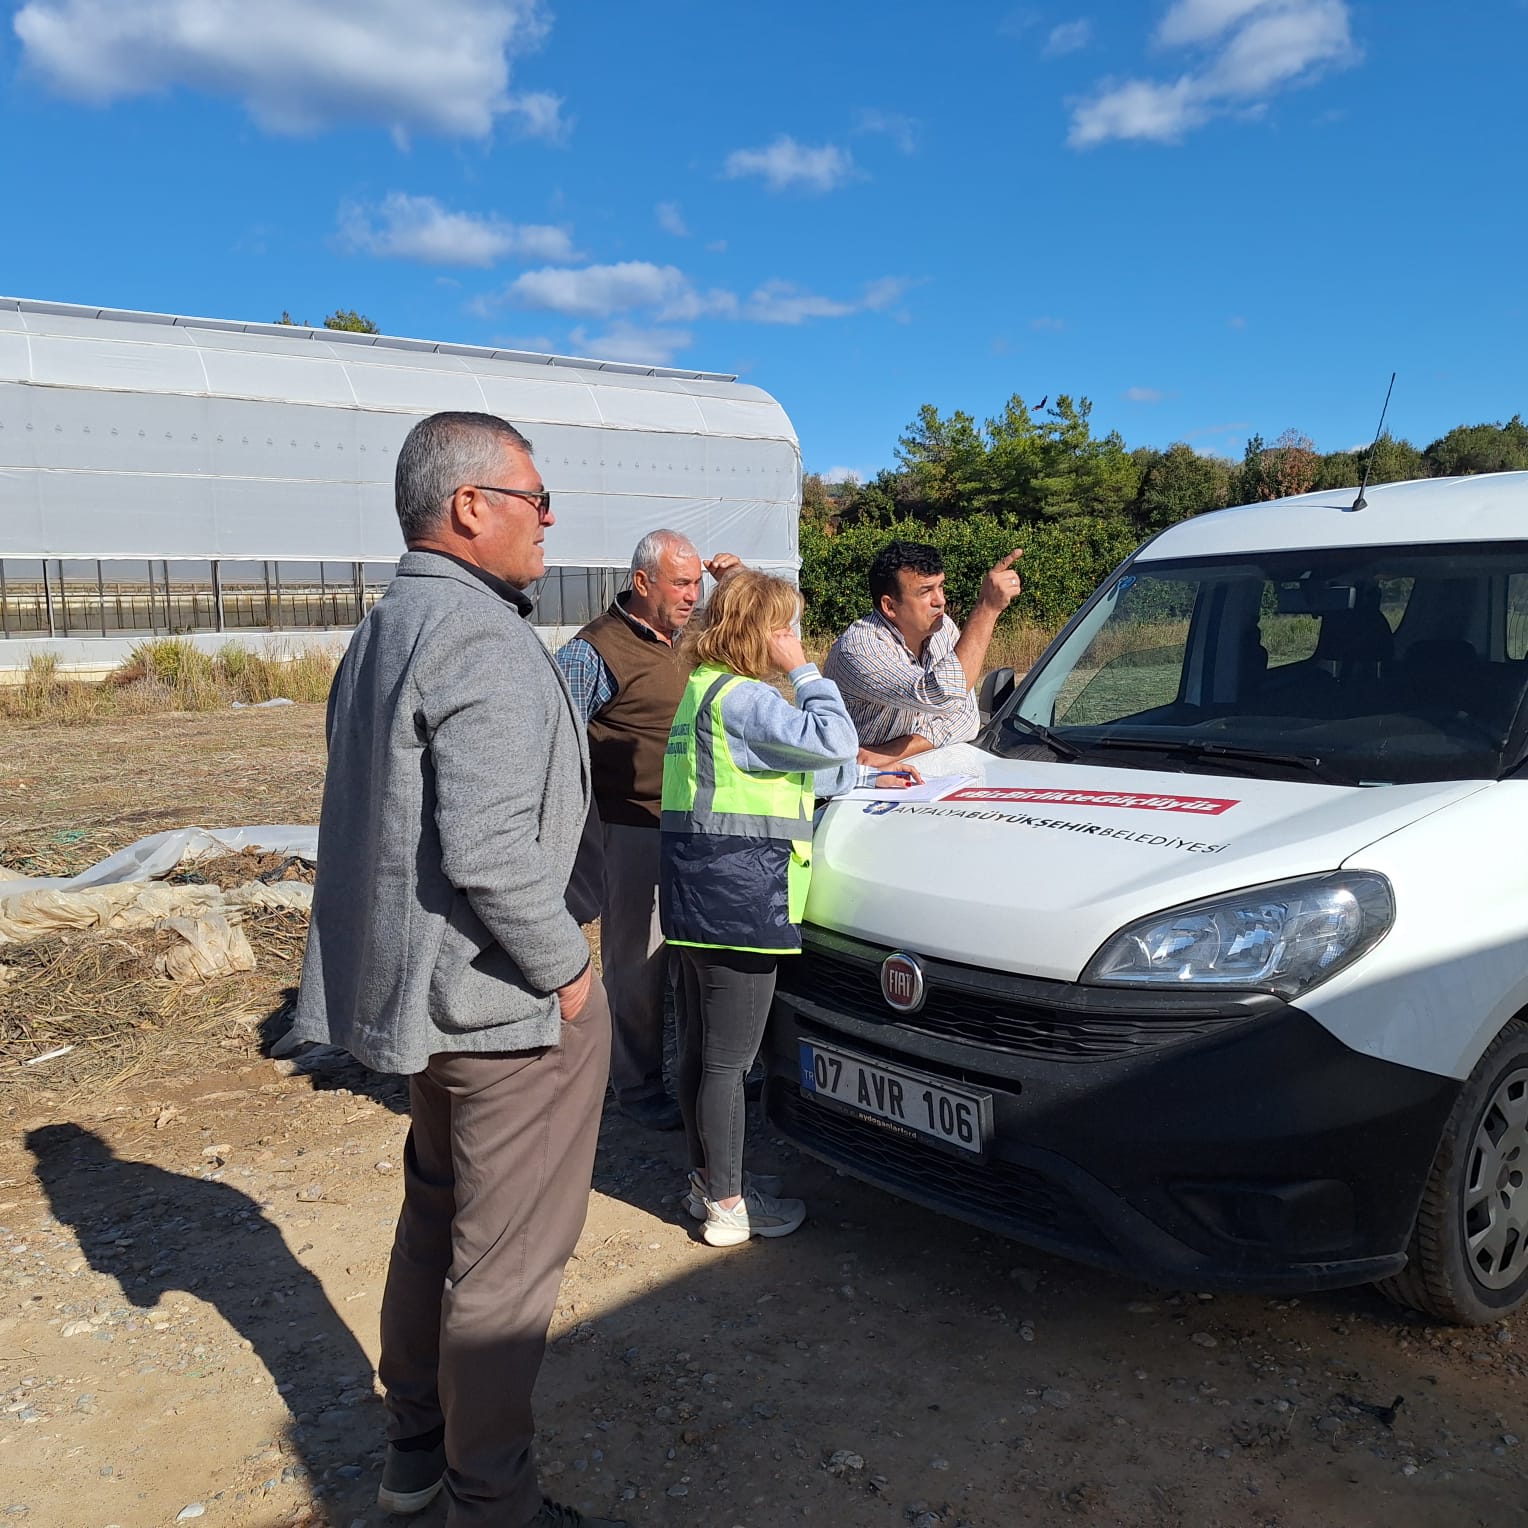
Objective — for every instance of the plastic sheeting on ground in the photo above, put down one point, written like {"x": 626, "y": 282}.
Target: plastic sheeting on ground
{"x": 121, "y": 892}
{"x": 136, "y": 904}
{"x": 160, "y": 853}
{"x": 212, "y": 947}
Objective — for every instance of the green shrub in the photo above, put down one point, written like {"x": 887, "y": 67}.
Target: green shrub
{"x": 1063, "y": 562}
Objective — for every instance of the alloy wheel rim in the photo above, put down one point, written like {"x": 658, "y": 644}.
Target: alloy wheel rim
{"x": 1495, "y": 1201}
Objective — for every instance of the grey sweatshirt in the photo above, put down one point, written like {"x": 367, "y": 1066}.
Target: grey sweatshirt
{"x": 767, "y": 732}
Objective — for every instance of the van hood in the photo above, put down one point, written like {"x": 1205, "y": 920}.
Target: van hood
{"x": 1035, "y": 864}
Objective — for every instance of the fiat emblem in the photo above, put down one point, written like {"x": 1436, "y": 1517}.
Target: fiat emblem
{"x": 902, "y": 982}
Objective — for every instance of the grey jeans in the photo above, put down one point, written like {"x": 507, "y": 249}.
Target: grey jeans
{"x": 724, "y": 998}
{"x": 495, "y": 1188}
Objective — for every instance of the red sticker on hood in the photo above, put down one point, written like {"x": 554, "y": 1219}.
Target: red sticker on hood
{"x": 1204, "y": 806}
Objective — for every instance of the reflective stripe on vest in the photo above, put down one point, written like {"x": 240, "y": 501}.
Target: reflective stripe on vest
{"x": 706, "y": 740}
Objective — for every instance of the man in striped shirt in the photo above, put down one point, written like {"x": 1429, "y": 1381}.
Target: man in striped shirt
{"x": 907, "y": 672}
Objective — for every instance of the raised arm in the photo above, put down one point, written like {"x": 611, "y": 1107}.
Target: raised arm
{"x": 999, "y": 589}
{"x": 769, "y": 733}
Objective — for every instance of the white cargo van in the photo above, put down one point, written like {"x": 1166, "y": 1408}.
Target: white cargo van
{"x": 1218, "y": 972}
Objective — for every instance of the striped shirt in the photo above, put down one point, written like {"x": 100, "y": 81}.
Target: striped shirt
{"x": 890, "y": 691}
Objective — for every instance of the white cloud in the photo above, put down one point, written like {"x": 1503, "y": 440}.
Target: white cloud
{"x": 1245, "y": 52}
{"x": 717, "y": 247}
{"x": 1190, "y": 22}
{"x": 845, "y": 475}
{"x": 1069, "y": 37}
{"x": 1143, "y": 395}
{"x": 903, "y": 131}
{"x": 1236, "y": 321}
{"x": 297, "y": 66}
{"x": 597, "y": 291}
{"x": 407, "y": 227}
{"x": 786, "y": 164}
{"x": 671, "y": 219}
{"x": 1048, "y": 325}
{"x": 780, "y": 302}
{"x": 622, "y": 341}
{"x": 538, "y": 114}
{"x": 669, "y": 296}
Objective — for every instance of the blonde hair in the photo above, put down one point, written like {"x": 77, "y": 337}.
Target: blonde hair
{"x": 733, "y": 630}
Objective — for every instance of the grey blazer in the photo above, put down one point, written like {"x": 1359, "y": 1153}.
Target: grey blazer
{"x": 457, "y": 789}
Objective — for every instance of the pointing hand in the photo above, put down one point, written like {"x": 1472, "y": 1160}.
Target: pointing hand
{"x": 1002, "y": 585}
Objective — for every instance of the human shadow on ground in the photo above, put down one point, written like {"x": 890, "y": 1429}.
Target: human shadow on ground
{"x": 156, "y": 1232}
{"x": 327, "y": 1068}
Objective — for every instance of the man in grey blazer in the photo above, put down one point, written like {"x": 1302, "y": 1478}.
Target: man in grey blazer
{"x": 441, "y": 948}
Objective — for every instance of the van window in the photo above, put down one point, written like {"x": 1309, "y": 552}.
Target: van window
{"x": 1517, "y": 616}
{"x": 1136, "y": 659}
{"x": 1366, "y": 665}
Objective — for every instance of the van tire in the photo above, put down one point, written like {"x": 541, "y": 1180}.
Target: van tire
{"x": 1438, "y": 1279}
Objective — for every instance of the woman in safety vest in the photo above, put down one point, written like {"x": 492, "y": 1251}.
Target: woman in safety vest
{"x": 740, "y": 774}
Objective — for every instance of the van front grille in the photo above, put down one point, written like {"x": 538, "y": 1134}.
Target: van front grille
{"x": 963, "y": 1003}
{"x": 1000, "y": 1195}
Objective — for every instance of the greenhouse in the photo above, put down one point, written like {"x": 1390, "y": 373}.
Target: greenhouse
{"x": 217, "y": 479}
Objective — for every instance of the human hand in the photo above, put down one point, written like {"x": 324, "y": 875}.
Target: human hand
{"x": 571, "y": 999}
{"x": 898, "y": 779}
{"x": 878, "y": 757}
{"x": 785, "y": 650}
{"x": 722, "y": 564}
{"x": 1002, "y": 585}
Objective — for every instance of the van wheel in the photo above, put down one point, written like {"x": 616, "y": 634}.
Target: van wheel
{"x": 1467, "y": 1261}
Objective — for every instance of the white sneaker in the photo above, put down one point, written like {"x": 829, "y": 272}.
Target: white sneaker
{"x": 695, "y": 1198}
{"x": 755, "y": 1214}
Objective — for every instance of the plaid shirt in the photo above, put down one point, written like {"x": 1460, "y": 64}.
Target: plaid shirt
{"x": 890, "y": 691}
{"x": 589, "y": 678}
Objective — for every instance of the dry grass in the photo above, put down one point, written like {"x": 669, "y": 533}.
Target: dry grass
{"x": 169, "y": 674}
{"x": 68, "y": 797}
{"x": 71, "y": 795}
{"x": 97, "y": 992}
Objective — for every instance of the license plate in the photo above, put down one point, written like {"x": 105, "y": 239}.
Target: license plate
{"x": 909, "y": 1103}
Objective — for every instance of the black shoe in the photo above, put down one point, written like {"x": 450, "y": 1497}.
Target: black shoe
{"x": 552, "y": 1515}
{"x": 660, "y": 1113}
{"x": 411, "y": 1477}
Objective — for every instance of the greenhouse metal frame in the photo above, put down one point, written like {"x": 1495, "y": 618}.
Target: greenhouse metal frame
{"x": 216, "y": 479}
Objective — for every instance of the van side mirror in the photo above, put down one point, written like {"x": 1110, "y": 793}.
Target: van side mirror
{"x": 994, "y": 690}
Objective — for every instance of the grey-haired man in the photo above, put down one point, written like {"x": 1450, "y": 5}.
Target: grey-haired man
{"x": 441, "y": 947}
{"x": 627, "y": 682}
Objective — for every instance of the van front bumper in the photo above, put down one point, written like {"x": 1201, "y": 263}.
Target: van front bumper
{"x": 1224, "y": 1141}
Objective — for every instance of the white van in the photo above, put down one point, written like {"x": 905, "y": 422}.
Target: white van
{"x": 1217, "y": 973}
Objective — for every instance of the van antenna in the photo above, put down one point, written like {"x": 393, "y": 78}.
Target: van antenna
{"x": 1361, "y": 502}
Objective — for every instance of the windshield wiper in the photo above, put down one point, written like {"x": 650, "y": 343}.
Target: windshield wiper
{"x": 1233, "y": 753}
{"x": 1046, "y": 736}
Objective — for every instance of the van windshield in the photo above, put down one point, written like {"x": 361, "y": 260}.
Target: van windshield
{"x": 1356, "y": 666}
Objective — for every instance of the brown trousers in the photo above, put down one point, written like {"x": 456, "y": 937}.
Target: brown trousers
{"x": 496, "y": 1186}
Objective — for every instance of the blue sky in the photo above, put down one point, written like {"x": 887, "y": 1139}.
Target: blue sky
{"x": 1212, "y": 217}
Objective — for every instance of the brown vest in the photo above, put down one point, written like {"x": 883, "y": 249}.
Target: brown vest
{"x": 627, "y": 738}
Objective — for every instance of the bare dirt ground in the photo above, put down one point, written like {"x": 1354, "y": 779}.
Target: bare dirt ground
{"x": 193, "y": 1258}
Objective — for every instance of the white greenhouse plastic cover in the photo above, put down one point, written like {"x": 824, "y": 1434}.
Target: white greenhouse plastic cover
{"x": 142, "y": 435}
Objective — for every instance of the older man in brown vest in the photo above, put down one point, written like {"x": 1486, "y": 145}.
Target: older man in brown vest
{"x": 627, "y": 682}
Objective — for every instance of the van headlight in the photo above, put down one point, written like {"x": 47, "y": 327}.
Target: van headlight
{"x": 1284, "y": 938}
